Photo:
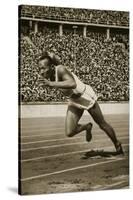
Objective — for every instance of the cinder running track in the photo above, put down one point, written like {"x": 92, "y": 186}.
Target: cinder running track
{"x": 52, "y": 163}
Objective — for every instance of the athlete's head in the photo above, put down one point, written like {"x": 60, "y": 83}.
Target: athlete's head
{"x": 46, "y": 63}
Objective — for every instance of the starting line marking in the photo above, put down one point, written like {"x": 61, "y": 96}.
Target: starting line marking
{"x": 70, "y": 169}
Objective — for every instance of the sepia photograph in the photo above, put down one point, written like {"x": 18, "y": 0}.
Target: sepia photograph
{"x": 73, "y": 68}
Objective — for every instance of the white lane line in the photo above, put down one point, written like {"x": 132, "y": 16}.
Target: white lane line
{"x": 53, "y": 146}
{"x": 63, "y": 129}
{"x": 97, "y": 132}
{"x": 53, "y": 140}
{"x": 109, "y": 186}
{"x": 41, "y": 129}
{"x": 37, "y": 121}
{"x": 56, "y": 140}
{"x": 96, "y": 187}
{"x": 40, "y": 135}
{"x": 115, "y": 184}
{"x": 52, "y": 134}
{"x": 65, "y": 154}
{"x": 27, "y": 127}
{"x": 60, "y": 145}
{"x": 44, "y": 126}
{"x": 54, "y": 128}
{"x": 70, "y": 169}
{"x": 52, "y": 156}
{"x": 121, "y": 177}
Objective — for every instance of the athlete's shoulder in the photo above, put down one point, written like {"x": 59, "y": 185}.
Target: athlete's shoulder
{"x": 61, "y": 69}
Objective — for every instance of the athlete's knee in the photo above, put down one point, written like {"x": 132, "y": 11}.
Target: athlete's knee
{"x": 69, "y": 134}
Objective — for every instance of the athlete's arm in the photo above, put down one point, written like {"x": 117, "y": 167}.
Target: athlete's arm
{"x": 66, "y": 80}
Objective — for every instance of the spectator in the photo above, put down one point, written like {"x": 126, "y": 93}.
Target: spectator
{"x": 119, "y": 18}
{"x": 102, "y": 64}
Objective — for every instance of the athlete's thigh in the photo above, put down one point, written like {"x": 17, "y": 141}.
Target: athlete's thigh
{"x": 96, "y": 113}
{"x": 72, "y": 117}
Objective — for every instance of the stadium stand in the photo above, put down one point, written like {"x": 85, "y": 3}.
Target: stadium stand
{"x": 98, "y": 61}
{"x": 72, "y": 14}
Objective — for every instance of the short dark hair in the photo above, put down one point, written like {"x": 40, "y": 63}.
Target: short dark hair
{"x": 53, "y": 59}
{"x": 45, "y": 55}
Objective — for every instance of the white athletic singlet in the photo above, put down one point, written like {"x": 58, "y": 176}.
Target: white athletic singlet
{"x": 82, "y": 97}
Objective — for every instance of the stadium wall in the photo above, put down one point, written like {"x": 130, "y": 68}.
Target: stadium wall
{"x": 53, "y": 110}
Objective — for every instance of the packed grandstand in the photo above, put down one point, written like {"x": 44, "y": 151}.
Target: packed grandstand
{"x": 98, "y": 59}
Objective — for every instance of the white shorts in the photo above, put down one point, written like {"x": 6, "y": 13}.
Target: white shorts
{"x": 86, "y": 100}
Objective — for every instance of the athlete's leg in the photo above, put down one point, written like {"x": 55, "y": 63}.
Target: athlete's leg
{"x": 97, "y": 115}
{"x": 72, "y": 118}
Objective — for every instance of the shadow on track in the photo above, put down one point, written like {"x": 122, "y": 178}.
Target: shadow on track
{"x": 99, "y": 153}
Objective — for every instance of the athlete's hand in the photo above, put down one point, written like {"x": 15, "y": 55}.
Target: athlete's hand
{"x": 45, "y": 82}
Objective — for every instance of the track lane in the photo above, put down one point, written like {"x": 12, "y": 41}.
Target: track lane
{"x": 79, "y": 179}
{"x": 76, "y": 180}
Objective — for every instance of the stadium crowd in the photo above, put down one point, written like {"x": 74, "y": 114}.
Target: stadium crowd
{"x": 99, "y": 62}
{"x": 120, "y": 18}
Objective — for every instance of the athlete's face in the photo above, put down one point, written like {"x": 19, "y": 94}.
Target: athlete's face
{"x": 44, "y": 68}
